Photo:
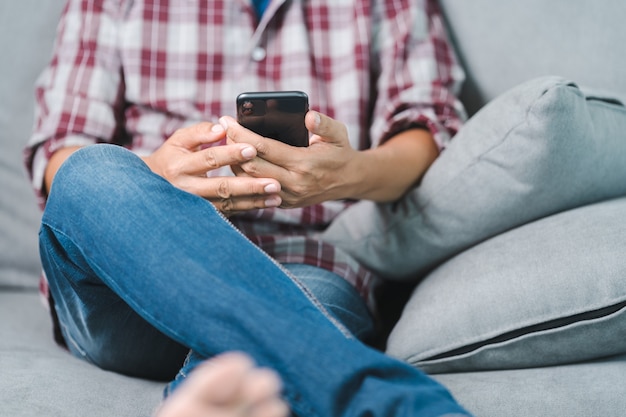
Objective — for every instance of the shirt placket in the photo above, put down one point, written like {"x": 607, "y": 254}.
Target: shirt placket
{"x": 256, "y": 51}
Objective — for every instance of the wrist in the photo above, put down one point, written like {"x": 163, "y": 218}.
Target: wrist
{"x": 386, "y": 173}
{"x": 56, "y": 160}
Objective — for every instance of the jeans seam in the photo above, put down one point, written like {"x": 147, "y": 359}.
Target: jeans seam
{"x": 294, "y": 279}
{"x": 67, "y": 336}
{"x": 69, "y": 339}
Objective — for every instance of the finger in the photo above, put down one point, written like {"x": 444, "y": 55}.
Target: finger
{"x": 235, "y": 133}
{"x": 262, "y": 168}
{"x": 324, "y": 128}
{"x": 197, "y": 135}
{"x": 216, "y": 188}
{"x": 238, "y": 171}
{"x": 216, "y": 157}
{"x": 281, "y": 157}
{"x": 266, "y": 148}
{"x": 233, "y": 194}
{"x": 232, "y": 206}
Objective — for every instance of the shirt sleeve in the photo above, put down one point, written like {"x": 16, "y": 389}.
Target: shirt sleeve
{"x": 79, "y": 95}
{"x": 419, "y": 76}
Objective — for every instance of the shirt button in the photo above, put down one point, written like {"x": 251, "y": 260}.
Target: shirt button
{"x": 258, "y": 53}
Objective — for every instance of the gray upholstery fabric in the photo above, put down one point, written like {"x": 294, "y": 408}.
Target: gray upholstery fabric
{"x": 41, "y": 379}
{"x": 25, "y": 44}
{"x": 538, "y": 149}
{"x": 534, "y": 296}
{"x": 38, "y": 378}
{"x": 503, "y": 43}
{"x": 594, "y": 389}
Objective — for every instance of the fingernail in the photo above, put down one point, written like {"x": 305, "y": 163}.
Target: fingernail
{"x": 273, "y": 201}
{"x": 271, "y": 188}
{"x": 318, "y": 119}
{"x": 224, "y": 123}
{"x": 217, "y": 128}
{"x": 248, "y": 152}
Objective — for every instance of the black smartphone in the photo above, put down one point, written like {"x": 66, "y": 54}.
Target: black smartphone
{"x": 275, "y": 114}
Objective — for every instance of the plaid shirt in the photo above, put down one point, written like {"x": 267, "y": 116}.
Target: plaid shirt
{"x": 132, "y": 72}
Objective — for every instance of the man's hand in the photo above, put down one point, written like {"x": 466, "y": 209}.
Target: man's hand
{"x": 186, "y": 157}
{"x": 330, "y": 169}
{"x": 308, "y": 175}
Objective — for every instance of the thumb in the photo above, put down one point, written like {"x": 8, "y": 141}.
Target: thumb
{"x": 325, "y": 129}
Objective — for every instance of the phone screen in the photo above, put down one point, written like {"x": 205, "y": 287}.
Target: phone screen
{"x": 278, "y": 115}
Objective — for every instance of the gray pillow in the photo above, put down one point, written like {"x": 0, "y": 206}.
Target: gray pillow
{"x": 547, "y": 293}
{"x": 541, "y": 148}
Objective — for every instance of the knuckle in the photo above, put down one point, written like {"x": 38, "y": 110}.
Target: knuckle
{"x": 223, "y": 190}
{"x": 234, "y": 134}
{"x": 250, "y": 168}
{"x": 210, "y": 159}
{"x": 300, "y": 188}
{"x": 299, "y": 191}
{"x": 170, "y": 172}
{"x": 227, "y": 205}
{"x": 182, "y": 131}
{"x": 288, "y": 202}
{"x": 262, "y": 148}
{"x": 259, "y": 204}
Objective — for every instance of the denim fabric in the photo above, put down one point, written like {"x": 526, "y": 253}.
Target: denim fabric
{"x": 121, "y": 246}
{"x": 338, "y": 297}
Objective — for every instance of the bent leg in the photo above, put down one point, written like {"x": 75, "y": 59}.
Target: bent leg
{"x": 184, "y": 269}
{"x": 334, "y": 293}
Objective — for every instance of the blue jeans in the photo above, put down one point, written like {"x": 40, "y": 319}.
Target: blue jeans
{"x": 142, "y": 272}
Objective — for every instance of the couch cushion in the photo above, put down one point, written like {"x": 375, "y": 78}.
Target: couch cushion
{"x": 41, "y": 379}
{"x": 26, "y": 42}
{"x": 590, "y": 389}
{"x": 541, "y": 148}
{"x": 549, "y": 292}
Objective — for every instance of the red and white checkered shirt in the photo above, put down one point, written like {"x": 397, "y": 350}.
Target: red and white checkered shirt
{"x": 132, "y": 72}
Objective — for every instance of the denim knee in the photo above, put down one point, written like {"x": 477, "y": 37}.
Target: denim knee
{"x": 96, "y": 166}
{"x": 94, "y": 173}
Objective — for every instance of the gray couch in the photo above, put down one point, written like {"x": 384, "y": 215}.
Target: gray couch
{"x": 520, "y": 237}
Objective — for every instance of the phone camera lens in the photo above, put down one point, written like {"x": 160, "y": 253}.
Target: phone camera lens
{"x": 247, "y": 108}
